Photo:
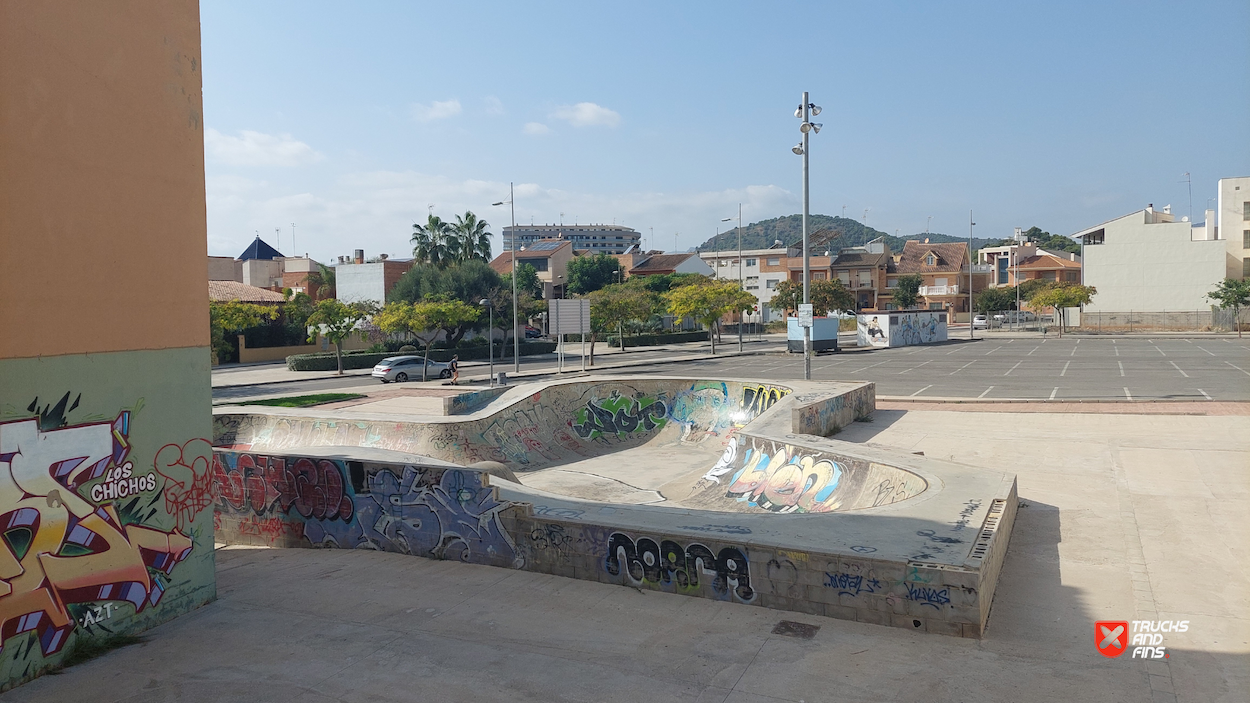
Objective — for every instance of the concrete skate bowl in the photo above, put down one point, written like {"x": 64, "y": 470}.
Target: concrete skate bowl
{"x": 719, "y": 488}
{"x": 683, "y": 443}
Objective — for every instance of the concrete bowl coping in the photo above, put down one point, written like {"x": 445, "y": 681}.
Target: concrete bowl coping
{"x": 889, "y": 537}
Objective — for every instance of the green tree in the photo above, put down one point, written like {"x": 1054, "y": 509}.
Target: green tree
{"x": 1232, "y": 294}
{"x": 338, "y": 321}
{"x": 321, "y": 283}
{"x": 708, "y": 302}
{"x": 664, "y": 282}
{"x": 468, "y": 282}
{"x": 1031, "y": 286}
{"x": 612, "y": 306}
{"x": 826, "y": 295}
{"x": 472, "y": 237}
{"x": 587, "y": 274}
{"x": 232, "y": 316}
{"x": 996, "y": 299}
{"x": 434, "y": 242}
{"x": 526, "y": 280}
{"x": 1060, "y": 296}
{"x": 298, "y": 307}
{"x": 445, "y": 315}
{"x": 907, "y": 291}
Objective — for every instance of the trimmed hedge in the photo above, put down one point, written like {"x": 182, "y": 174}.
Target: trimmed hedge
{"x": 325, "y": 361}
{"x": 652, "y": 340}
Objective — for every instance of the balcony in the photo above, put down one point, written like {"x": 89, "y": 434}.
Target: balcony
{"x": 931, "y": 291}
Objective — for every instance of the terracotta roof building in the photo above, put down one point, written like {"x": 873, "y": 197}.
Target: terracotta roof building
{"x": 221, "y": 291}
{"x": 660, "y": 264}
{"x": 945, "y": 270}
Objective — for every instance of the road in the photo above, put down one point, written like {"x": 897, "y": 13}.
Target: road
{"x": 1073, "y": 368}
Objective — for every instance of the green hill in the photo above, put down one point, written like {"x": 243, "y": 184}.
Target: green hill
{"x": 789, "y": 230}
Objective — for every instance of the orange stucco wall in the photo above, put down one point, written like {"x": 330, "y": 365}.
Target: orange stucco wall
{"x": 102, "y": 216}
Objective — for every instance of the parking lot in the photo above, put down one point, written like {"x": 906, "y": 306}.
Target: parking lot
{"x": 1033, "y": 368}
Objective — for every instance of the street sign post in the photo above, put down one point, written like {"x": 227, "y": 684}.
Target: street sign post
{"x": 805, "y": 315}
{"x": 568, "y": 317}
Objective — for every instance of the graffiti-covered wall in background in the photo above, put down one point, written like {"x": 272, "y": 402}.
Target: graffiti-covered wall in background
{"x": 900, "y": 329}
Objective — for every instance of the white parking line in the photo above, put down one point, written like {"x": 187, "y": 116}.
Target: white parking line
{"x": 915, "y": 367}
{"x": 1127, "y": 394}
{"x": 1159, "y": 350}
{"x": 1238, "y": 368}
{"x": 922, "y": 390}
{"x": 961, "y": 368}
{"x": 1117, "y": 350}
{"x": 1073, "y": 351}
{"x": 1033, "y": 350}
{"x": 1191, "y": 342}
{"x": 1121, "y": 365}
{"x": 1013, "y": 368}
{"x": 992, "y": 351}
{"x": 1173, "y": 363}
{"x": 953, "y": 351}
{"x": 1053, "y": 392}
{"x": 986, "y": 392}
{"x": 869, "y": 367}
{"x": 1065, "y": 368}
{"x": 1200, "y": 347}
{"x": 1204, "y": 394}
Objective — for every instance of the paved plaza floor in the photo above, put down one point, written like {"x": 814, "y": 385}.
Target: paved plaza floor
{"x": 1123, "y": 517}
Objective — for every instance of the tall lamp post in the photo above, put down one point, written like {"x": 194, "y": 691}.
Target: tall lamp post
{"x": 516, "y": 338}
{"x": 490, "y": 330}
{"x": 805, "y": 111}
{"x": 1015, "y": 254}
{"x": 971, "y": 313}
{"x": 741, "y": 268}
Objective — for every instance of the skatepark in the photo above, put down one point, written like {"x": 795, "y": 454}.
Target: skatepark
{"x": 723, "y": 489}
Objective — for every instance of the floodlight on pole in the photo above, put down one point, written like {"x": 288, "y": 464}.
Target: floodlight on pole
{"x": 797, "y": 149}
{"x": 806, "y": 110}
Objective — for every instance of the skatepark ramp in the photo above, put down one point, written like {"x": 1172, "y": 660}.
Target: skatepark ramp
{"x": 720, "y": 488}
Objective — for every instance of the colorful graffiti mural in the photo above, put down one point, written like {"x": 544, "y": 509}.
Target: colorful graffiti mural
{"x": 786, "y": 481}
{"x": 667, "y": 563}
{"x": 620, "y": 416}
{"x": 757, "y": 399}
{"x": 69, "y": 546}
{"x": 300, "y": 501}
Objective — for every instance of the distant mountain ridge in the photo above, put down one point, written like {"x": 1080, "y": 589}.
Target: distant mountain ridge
{"x": 789, "y": 229}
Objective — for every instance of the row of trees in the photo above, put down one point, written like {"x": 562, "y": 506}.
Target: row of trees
{"x": 1039, "y": 295}
{"x": 442, "y": 243}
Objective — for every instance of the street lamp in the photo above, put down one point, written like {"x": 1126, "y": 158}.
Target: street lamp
{"x": 972, "y": 334}
{"x": 516, "y": 339}
{"x": 741, "y": 274}
{"x": 804, "y": 111}
{"x": 490, "y": 331}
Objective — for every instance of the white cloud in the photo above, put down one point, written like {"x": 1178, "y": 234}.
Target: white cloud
{"x": 494, "y": 106}
{"x": 587, "y": 115}
{"x": 437, "y": 110}
{"x": 258, "y": 149}
{"x": 535, "y": 128}
{"x": 375, "y": 210}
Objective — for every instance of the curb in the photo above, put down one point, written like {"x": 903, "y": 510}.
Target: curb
{"x": 1042, "y": 401}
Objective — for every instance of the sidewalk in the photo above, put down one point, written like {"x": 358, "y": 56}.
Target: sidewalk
{"x": 277, "y": 372}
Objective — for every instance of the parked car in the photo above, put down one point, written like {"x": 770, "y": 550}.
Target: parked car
{"x": 980, "y": 322}
{"x": 406, "y": 368}
{"x": 532, "y": 332}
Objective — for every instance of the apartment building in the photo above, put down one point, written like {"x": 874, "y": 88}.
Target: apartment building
{"x": 606, "y": 239}
{"x": 1037, "y": 263}
{"x": 262, "y": 266}
{"x": 760, "y": 270}
{"x": 1233, "y": 227}
{"x": 946, "y": 272}
{"x": 549, "y": 257}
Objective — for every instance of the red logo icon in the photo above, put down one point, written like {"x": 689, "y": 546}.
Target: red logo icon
{"x": 1111, "y": 637}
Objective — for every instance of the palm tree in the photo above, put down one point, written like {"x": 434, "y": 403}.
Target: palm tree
{"x": 433, "y": 242}
{"x": 474, "y": 237}
{"x": 321, "y": 282}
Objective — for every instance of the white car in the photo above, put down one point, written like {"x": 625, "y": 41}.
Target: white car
{"x": 980, "y": 322}
{"x": 406, "y": 368}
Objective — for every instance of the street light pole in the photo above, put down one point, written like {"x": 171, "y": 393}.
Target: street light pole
{"x": 516, "y": 340}
{"x": 1015, "y": 254}
{"x": 971, "y": 313}
{"x": 805, "y": 111}
{"x": 490, "y": 331}
{"x": 741, "y": 272}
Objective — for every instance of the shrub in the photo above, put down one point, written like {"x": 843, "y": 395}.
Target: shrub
{"x": 407, "y": 349}
{"x": 366, "y": 359}
{"x": 651, "y": 340}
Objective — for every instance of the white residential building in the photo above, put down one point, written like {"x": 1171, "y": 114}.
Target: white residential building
{"x": 1233, "y": 203}
{"x": 760, "y": 270}
{"x": 1148, "y": 261}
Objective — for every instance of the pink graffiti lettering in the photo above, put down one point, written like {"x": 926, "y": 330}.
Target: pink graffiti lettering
{"x": 314, "y": 488}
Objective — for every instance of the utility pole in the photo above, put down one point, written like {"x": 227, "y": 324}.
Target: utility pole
{"x": 805, "y": 112}
{"x": 971, "y": 312}
{"x": 741, "y": 276}
{"x": 1015, "y": 254}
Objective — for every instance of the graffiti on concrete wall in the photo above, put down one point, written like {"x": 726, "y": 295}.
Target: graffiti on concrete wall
{"x": 667, "y": 563}
{"x": 432, "y": 512}
{"x": 756, "y": 399}
{"x": 620, "y": 416}
{"x": 779, "y": 478}
{"x": 74, "y": 545}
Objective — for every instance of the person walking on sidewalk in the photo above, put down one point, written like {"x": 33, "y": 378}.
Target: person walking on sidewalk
{"x": 455, "y": 369}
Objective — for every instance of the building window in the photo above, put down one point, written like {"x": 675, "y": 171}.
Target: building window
{"x": 865, "y": 279}
{"x": 1245, "y": 239}
{"x": 771, "y": 284}
{"x": 1048, "y": 275}
{"x": 1001, "y": 262}
{"x": 930, "y": 260}
{"x": 1071, "y": 276}
{"x": 891, "y": 306}
{"x": 891, "y": 283}
{"x": 774, "y": 261}
{"x": 1245, "y": 210}
{"x": 752, "y": 262}
{"x": 844, "y": 277}
{"x": 1245, "y": 268}
{"x": 936, "y": 306}
{"x": 818, "y": 275}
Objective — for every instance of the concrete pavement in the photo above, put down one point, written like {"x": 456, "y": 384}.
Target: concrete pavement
{"x": 1123, "y": 517}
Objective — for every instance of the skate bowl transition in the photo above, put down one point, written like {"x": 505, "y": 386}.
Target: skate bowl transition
{"x": 724, "y": 489}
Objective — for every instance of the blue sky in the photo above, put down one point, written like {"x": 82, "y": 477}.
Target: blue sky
{"x": 350, "y": 119}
